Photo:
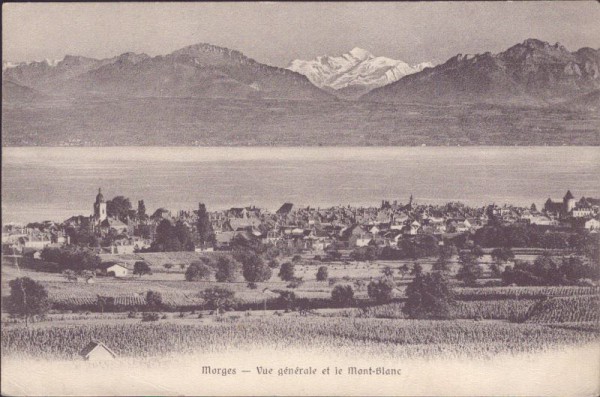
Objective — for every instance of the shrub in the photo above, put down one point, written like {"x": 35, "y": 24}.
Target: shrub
{"x": 219, "y": 299}
{"x": 141, "y": 268}
{"x": 296, "y": 282}
{"x": 253, "y": 267}
{"x": 322, "y": 273}
{"x": 381, "y": 290}
{"x": 154, "y": 299}
{"x": 197, "y": 271}
{"x": 28, "y": 298}
{"x": 286, "y": 272}
{"x": 150, "y": 317}
{"x": 227, "y": 269}
{"x": 343, "y": 295}
{"x": 429, "y": 296}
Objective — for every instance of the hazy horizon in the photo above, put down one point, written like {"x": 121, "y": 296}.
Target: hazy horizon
{"x": 412, "y": 32}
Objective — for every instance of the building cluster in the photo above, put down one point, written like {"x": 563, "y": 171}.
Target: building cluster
{"x": 304, "y": 228}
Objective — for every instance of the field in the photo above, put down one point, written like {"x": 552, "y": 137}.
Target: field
{"x": 494, "y": 333}
{"x": 129, "y": 292}
{"x": 375, "y": 337}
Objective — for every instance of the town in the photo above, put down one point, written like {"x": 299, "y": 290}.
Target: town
{"x": 116, "y": 228}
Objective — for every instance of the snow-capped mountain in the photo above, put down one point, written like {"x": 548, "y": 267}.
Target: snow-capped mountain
{"x": 357, "y": 71}
{"x": 48, "y": 62}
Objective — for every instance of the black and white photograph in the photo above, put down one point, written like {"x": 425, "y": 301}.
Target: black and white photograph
{"x": 300, "y": 198}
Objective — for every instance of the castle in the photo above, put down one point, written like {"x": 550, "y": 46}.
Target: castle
{"x": 569, "y": 207}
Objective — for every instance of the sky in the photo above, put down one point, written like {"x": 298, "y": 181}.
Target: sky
{"x": 277, "y": 33}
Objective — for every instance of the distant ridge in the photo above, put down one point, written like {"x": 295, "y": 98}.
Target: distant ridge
{"x": 532, "y": 72}
{"x": 196, "y": 71}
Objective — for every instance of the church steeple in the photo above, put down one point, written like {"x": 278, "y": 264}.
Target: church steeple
{"x": 100, "y": 207}
{"x": 99, "y": 196}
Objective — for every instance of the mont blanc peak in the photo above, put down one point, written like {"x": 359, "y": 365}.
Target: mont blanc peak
{"x": 358, "y": 70}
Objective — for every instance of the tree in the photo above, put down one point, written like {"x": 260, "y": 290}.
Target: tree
{"x": 182, "y": 232}
{"x": 429, "y": 296}
{"x": 141, "y": 268}
{"x": 286, "y": 271}
{"x": 118, "y": 207}
{"x": 218, "y": 299}
{"x": 575, "y": 269}
{"x": 502, "y": 255}
{"x": 197, "y": 271}
{"x": 141, "y": 211}
{"x": 227, "y": 269}
{"x": 416, "y": 269}
{"x": 477, "y": 251}
{"x": 443, "y": 262}
{"x": 359, "y": 284}
{"x": 343, "y": 295}
{"x": 73, "y": 258}
{"x": 287, "y": 298}
{"x": 295, "y": 282}
{"x": 105, "y": 301}
{"x": 82, "y": 236}
{"x": 253, "y": 267}
{"x": 27, "y": 298}
{"x": 381, "y": 290}
{"x": 182, "y": 266}
{"x": 166, "y": 238}
{"x": 322, "y": 273}
{"x": 70, "y": 275}
{"x": 387, "y": 271}
{"x": 168, "y": 266}
{"x": 203, "y": 226}
{"x": 403, "y": 270}
{"x": 154, "y": 299}
{"x": 470, "y": 270}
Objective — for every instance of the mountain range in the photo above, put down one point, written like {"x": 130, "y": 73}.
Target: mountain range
{"x": 532, "y": 72}
{"x": 196, "y": 71}
{"x": 533, "y": 93}
{"x": 354, "y": 73}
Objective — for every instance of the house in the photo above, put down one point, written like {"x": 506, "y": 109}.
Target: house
{"x": 117, "y": 270}
{"x": 97, "y": 351}
{"x": 582, "y": 211}
{"x": 363, "y": 240}
{"x": 543, "y": 221}
{"x": 113, "y": 224}
{"x": 411, "y": 228}
{"x": 592, "y": 224}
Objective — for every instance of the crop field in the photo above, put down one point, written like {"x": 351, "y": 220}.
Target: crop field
{"x": 511, "y": 310}
{"x": 496, "y": 293}
{"x": 375, "y": 337}
{"x": 566, "y": 310}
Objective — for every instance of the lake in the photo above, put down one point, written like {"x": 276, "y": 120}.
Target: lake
{"x": 53, "y": 183}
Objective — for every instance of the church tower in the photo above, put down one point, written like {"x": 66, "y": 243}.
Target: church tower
{"x": 100, "y": 207}
{"x": 568, "y": 202}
